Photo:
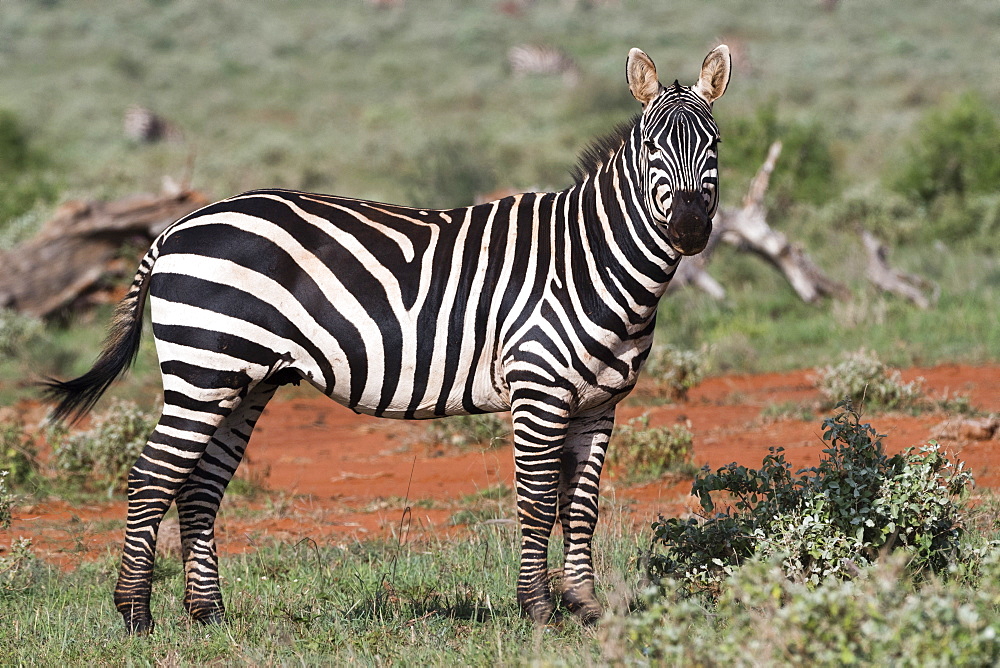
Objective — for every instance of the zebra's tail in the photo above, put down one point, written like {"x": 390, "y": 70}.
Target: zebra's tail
{"x": 74, "y": 398}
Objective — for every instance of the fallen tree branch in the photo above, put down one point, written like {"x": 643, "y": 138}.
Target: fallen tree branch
{"x": 884, "y": 277}
{"x": 74, "y": 250}
{"x": 746, "y": 227}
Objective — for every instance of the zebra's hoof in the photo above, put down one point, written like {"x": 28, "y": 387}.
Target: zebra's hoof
{"x": 213, "y": 615}
{"x": 589, "y": 612}
{"x": 217, "y": 617}
{"x": 139, "y": 626}
{"x": 541, "y": 612}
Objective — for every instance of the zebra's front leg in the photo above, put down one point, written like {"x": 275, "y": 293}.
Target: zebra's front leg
{"x": 540, "y": 423}
{"x": 582, "y": 461}
{"x": 198, "y": 505}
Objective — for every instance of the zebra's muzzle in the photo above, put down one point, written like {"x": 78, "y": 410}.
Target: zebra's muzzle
{"x": 690, "y": 226}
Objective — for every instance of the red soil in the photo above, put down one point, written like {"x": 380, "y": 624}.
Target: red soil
{"x": 333, "y": 476}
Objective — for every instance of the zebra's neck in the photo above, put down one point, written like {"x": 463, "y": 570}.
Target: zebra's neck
{"x": 628, "y": 247}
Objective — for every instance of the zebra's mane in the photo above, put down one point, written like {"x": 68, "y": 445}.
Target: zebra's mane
{"x": 599, "y": 150}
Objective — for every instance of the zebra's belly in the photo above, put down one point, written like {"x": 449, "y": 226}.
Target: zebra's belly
{"x": 444, "y": 394}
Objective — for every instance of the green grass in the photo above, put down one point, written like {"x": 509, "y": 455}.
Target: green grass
{"x": 347, "y": 99}
{"x": 763, "y": 326}
{"x": 445, "y": 602}
{"x": 351, "y": 100}
{"x": 344, "y": 97}
{"x": 439, "y": 602}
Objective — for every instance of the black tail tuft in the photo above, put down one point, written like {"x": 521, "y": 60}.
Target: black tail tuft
{"x": 74, "y": 398}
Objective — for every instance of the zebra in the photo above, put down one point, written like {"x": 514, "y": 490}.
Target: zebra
{"x": 540, "y": 59}
{"x": 543, "y": 304}
{"x": 144, "y": 126}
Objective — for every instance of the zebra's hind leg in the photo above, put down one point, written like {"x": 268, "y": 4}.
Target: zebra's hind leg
{"x": 198, "y": 504}
{"x": 582, "y": 461}
{"x": 192, "y": 414}
{"x": 539, "y": 430}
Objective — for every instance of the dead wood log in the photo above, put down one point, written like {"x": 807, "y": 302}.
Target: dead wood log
{"x": 747, "y": 228}
{"x": 73, "y": 251}
{"x": 884, "y": 277}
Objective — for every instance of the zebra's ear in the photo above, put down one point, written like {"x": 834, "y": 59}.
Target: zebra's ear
{"x": 640, "y": 72}
{"x": 715, "y": 73}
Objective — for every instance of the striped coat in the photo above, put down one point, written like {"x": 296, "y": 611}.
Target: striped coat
{"x": 543, "y": 304}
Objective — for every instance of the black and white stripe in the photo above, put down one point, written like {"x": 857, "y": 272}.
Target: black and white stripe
{"x": 540, "y": 303}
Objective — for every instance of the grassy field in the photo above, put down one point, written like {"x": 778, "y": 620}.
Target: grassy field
{"x": 433, "y": 601}
{"x": 445, "y": 599}
{"x": 447, "y": 602}
{"x": 418, "y": 105}
{"x": 349, "y": 99}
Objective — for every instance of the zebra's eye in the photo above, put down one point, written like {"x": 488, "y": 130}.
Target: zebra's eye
{"x": 650, "y": 146}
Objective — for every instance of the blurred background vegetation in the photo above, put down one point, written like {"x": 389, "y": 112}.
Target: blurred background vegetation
{"x": 887, "y": 111}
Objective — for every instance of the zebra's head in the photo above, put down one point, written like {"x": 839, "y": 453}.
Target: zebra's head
{"x": 678, "y": 158}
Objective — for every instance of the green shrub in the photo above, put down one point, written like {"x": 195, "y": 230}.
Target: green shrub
{"x": 450, "y": 173}
{"x": 18, "y": 454}
{"x": 880, "y": 618}
{"x": 951, "y": 166}
{"x": 17, "y": 331}
{"x": 887, "y": 214}
{"x": 806, "y": 171}
{"x": 954, "y": 150}
{"x": 639, "y": 452}
{"x": 828, "y": 520}
{"x": 676, "y": 370}
{"x": 974, "y": 218}
{"x": 864, "y": 379}
{"x": 22, "y": 179}
{"x": 100, "y": 458}
{"x": 18, "y": 567}
{"x": 466, "y": 430}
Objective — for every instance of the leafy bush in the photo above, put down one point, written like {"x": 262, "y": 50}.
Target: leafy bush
{"x": 18, "y": 331}
{"x": 974, "y": 218}
{"x": 882, "y": 618}
{"x": 640, "y": 452}
{"x": 888, "y": 215}
{"x": 864, "y": 379}
{"x": 951, "y": 166}
{"x": 18, "y": 567}
{"x": 100, "y": 458}
{"x": 466, "y": 430}
{"x": 955, "y": 150}
{"x": 21, "y": 170}
{"x": 676, "y": 370}
{"x": 18, "y": 454}
{"x": 807, "y": 169}
{"x": 828, "y": 520}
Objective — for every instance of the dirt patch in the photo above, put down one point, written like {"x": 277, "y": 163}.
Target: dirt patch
{"x": 332, "y": 476}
